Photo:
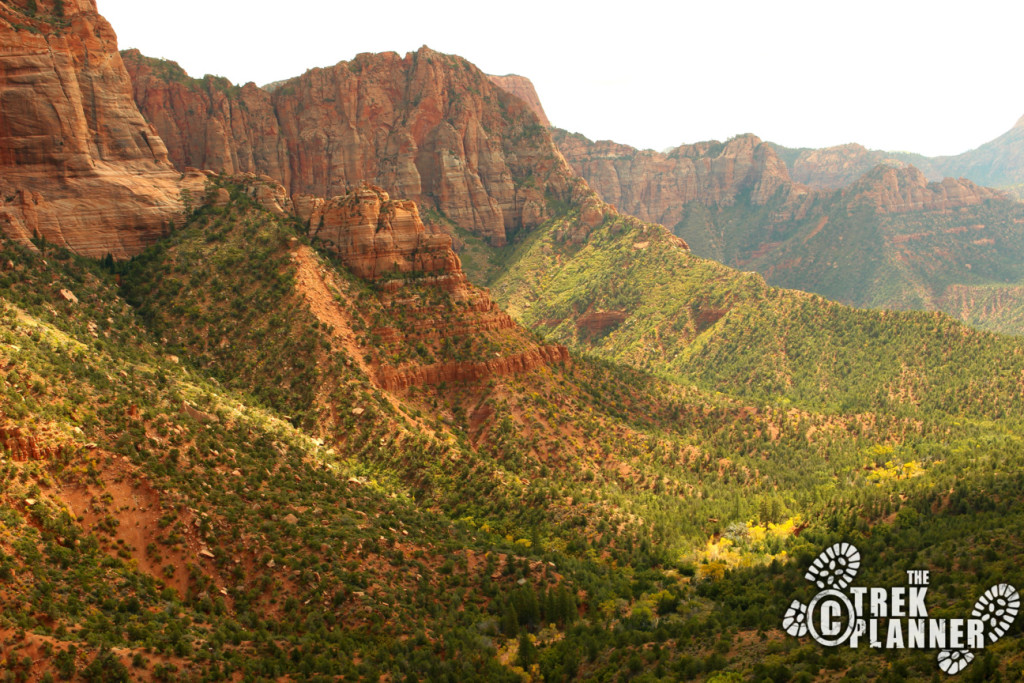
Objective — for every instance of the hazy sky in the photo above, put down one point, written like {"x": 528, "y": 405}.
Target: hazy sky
{"x": 930, "y": 77}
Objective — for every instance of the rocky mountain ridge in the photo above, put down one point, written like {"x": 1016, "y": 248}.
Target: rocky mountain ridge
{"x": 655, "y": 186}
{"x": 383, "y": 242}
{"x": 995, "y": 163}
{"x": 522, "y": 87}
{"x": 890, "y": 238}
{"x": 905, "y": 189}
{"x": 79, "y": 165}
{"x": 832, "y": 168}
{"x": 427, "y": 126}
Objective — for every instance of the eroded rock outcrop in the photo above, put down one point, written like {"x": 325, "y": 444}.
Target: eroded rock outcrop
{"x": 23, "y": 446}
{"x": 209, "y": 123}
{"x": 836, "y": 167}
{"x": 420, "y": 337}
{"x": 397, "y": 380}
{"x": 655, "y": 187}
{"x": 427, "y": 126}
{"x": 522, "y": 87}
{"x": 379, "y": 238}
{"x": 79, "y": 165}
{"x": 596, "y": 323}
{"x": 904, "y": 189}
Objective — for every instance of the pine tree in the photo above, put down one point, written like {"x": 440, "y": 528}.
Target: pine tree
{"x": 528, "y": 608}
{"x": 527, "y": 652}
{"x": 549, "y": 606}
{"x": 509, "y": 621}
{"x": 567, "y": 609}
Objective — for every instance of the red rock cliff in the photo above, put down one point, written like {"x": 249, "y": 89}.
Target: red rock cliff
{"x": 655, "y": 187}
{"x": 426, "y": 126}
{"x": 903, "y": 189}
{"x": 378, "y": 237}
{"x": 24, "y": 446}
{"x": 836, "y": 167}
{"x": 522, "y": 87}
{"x": 209, "y": 123}
{"x": 79, "y": 165}
{"x": 398, "y": 380}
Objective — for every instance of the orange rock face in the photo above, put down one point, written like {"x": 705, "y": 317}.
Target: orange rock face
{"x": 596, "y": 323}
{"x": 522, "y": 87}
{"x": 79, "y": 165}
{"x": 835, "y": 167}
{"x": 209, "y": 123}
{"x": 23, "y": 446}
{"x": 902, "y": 189}
{"x": 381, "y": 239}
{"x": 378, "y": 237}
{"x": 654, "y": 186}
{"x": 429, "y": 127}
{"x": 396, "y": 380}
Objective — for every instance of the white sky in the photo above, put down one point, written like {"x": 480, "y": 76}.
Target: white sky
{"x": 931, "y": 77}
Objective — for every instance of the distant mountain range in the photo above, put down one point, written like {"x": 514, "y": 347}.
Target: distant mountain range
{"x": 863, "y": 227}
{"x": 998, "y": 163}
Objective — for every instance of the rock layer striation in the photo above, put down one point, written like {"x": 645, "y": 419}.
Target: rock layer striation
{"x": 79, "y": 165}
{"x": 427, "y": 126}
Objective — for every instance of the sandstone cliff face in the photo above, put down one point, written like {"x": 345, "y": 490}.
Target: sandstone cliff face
{"x": 380, "y": 240}
{"x": 836, "y": 167}
{"x": 655, "y": 186}
{"x": 378, "y": 237}
{"x": 426, "y": 126}
{"x": 79, "y": 165}
{"x": 522, "y": 87}
{"x": 995, "y": 164}
{"x": 397, "y": 380}
{"x": 209, "y": 123}
{"x": 905, "y": 189}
